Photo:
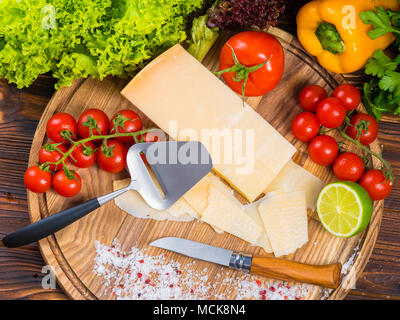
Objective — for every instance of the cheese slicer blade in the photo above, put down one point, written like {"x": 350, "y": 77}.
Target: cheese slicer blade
{"x": 167, "y": 172}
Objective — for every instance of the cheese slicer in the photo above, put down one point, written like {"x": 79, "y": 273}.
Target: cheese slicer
{"x": 167, "y": 172}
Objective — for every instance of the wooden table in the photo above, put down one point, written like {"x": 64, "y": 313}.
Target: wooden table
{"x": 21, "y": 269}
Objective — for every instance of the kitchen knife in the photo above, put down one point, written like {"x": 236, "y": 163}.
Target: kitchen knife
{"x": 322, "y": 275}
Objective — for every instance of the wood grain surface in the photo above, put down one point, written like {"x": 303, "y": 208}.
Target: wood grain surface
{"x": 20, "y": 269}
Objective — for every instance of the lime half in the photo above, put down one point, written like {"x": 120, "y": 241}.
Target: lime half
{"x": 344, "y": 208}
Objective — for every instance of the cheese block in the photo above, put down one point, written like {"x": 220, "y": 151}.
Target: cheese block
{"x": 226, "y": 214}
{"x": 189, "y": 102}
{"x": 284, "y": 215}
{"x": 132, "y": 203}
{"x": 295, "y": 178}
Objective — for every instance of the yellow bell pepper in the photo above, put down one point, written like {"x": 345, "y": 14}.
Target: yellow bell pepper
{"x": 347, "y": 47}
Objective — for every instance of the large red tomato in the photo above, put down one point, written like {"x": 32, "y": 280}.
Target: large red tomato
{"x": 253, "y": 48}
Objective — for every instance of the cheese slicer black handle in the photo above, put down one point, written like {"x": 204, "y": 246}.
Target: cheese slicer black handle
{"x": 56, "y": 222}
{"x": 49, "y": 225}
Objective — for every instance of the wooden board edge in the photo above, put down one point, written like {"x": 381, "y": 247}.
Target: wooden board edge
{"x": 50, "y": 252}
{"x": 363, "y": 256}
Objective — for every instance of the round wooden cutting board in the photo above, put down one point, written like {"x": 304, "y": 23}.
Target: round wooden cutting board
{"x": 71, "y": 251}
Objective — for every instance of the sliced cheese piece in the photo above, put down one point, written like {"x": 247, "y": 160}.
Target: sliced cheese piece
{"x": 197, "y": 196}
{"x": 191, "y": 103}
{"x": 132, "y": 203}
{"x": 263, "y": 241}
{"x": 191, "y": 205}
{"x": 224, "y": 213}
{"x": 285, "y": 219}
{"x": 181, "y": 208}
{"x": 295, "y": 178}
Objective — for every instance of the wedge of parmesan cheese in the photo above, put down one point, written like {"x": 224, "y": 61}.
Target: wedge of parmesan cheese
{"x": 132, "y": 203}
{"x": 295, "y": 178}
{"x": 284, "y": 215}
{"x": 224, "y": 213}
{"x": 189, "y": 102}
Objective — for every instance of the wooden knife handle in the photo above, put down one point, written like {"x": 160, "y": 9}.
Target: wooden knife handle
{"x": 322, "y": 275}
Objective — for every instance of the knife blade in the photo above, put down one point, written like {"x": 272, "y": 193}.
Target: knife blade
{"x": 322, "y": 275}
{"x": 195, "y": 250}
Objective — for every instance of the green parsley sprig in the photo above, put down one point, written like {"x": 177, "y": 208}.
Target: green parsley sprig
{"x": 382, "y": 92}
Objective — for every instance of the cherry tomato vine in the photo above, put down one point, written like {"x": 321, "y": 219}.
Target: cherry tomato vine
{"x": 66, "y": 181}
{"x": 337, "y": 113}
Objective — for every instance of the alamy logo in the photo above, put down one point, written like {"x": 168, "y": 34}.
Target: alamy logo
{"x": 349, "y": 20}
{"x": 234, "y": 147}
{"x": 49, "y": 20}
{"x": 49, "y": 280}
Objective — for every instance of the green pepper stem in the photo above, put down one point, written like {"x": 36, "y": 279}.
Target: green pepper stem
{"x": 330, "y": 38}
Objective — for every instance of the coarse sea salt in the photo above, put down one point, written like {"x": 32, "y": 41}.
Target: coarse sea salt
{"x": 138, "y": 276}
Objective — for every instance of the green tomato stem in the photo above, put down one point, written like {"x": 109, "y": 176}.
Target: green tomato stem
{"x": 388, "y": 173}
{"x": 241, "y": 72}
{"x": 91, "y": 138}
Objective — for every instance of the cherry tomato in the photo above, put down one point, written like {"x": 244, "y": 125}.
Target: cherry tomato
{"x": 126, "y": 121}
{"x": 305, "y": 126}
{"x": 61, "y": 123}
{"x": 311, "y": 96}
{"x": 369, "y": 134}
{"x": 37, "y": 180}
{"x": 323, "y": 150}
{"x": 114, "y": 158}
{"x": 331, "y": 112}
{"x": 253, "y": 48}
{"x": 83, "y": 157}
{"x": 349, "y": 95}
{"x": 49, "y": 153}
{"x": 65, "y": 186}
{"x": 348, "y": 166}
{"x": 93, "y": 121}
{"x": 154, "y": 135}
{"x": 376, "y": 184}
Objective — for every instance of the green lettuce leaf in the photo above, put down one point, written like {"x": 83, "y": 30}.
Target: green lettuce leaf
{"x": 202, "y": 38}
{"x": 86, "y": 38}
